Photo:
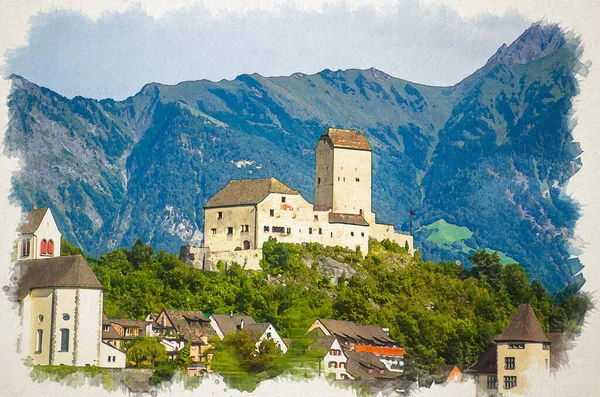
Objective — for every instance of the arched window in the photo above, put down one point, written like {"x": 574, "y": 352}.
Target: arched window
{"x": 44, "y": 247}
{"x": 38, "y": 341}
{"x": 50, "y": 247}
{"x": 246, "y": 244}
{"x": 332, "y": 364}
{"x": 342, "y": 365}
{"x": 64, "y": 340}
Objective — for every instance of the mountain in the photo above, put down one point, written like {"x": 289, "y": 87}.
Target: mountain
{"x": 491, "y": 154}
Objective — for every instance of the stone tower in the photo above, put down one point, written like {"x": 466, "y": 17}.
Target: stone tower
{"x": 343, "y": 173}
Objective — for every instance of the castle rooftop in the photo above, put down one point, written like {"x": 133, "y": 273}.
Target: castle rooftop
{"x": 347, "y": 139}
{"x": 247, "y": 192}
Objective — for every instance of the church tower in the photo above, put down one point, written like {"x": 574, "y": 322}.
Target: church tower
{"x": 343, "y": 173}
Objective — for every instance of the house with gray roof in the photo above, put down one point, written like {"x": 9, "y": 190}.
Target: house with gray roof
{"x": 225, "y": 324}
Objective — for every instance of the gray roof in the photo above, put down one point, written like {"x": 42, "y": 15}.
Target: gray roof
{"x": 229, "y": 324}
{"x": 348, "y": 219}
{"x": 350, "y": 331}
{"x": 60, "y": 271}
{"x": 487, "y": 363}
{"x": 247, "y": 192}
{"x": 191, "y": 325}
{"x": 33, "y": 221}
{"x": 523, "y": 327}
{"x": 348, "y": 139}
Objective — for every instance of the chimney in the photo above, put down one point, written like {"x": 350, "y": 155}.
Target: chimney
{"x": 242, "y": 324}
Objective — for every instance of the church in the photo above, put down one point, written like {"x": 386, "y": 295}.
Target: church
{"x": 60, "y": 301}
{"x": 244, "y": 214}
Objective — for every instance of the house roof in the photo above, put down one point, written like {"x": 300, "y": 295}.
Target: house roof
{"x": 60, "y": 271}
{"x": 487, "y": 363}
{"x": 111, "y": 333}
{"x": 359, "y": 364}
{"x": 323, "y": 343}
{"x": 127, "y": 323}
{"x": 349, "y": 330}
{"x": 33, "y": 221}
{"x": 191, "y": 325}
{"x": 230, "y": 324}
{"x": 348, "y": 139}
{"x": 523, "y": 327}
{"x": 258, "y": 328}
{"x": 247, "y": 192}
{"x": 348, "y": 219}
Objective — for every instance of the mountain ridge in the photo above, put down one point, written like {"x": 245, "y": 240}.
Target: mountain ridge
{"x": 495, "y": 143}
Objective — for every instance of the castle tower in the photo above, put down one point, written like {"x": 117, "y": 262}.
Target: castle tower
{"x": 343, "y": 173}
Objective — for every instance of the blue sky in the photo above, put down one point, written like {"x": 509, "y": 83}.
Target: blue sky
{"x": 116, "y": 54}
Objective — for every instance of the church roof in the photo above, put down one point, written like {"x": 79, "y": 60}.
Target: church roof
{"x": 33, "y": 221}
{"x": 348, "y": 219}
{"x": 523, "y": 327}
{"x": 60, "y": 271}
{"x": 247, "y": 192}
{"x": 348, "y": 139}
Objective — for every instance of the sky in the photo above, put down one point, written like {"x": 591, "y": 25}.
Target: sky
{"x": 115, "y": 53}
{"x": 434, "y": 42}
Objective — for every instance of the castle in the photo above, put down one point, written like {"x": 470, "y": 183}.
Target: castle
{"x": 244, "y": 214}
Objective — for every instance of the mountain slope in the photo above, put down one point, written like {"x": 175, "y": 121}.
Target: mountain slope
{"x": 490, "y": 153}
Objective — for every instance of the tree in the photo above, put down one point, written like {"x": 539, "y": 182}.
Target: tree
{"x": 146, "y": 349}
{"x": 517, "y": 284}
{"x": 487, "y": 266}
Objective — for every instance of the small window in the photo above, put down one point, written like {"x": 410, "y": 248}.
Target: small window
{"x": 492, "y": 382}
{"x": 357, "y": 179}
{"x": 40, "y": 318}
{"x": 283, "y": 199}
{"x": 109, "y": 358}
{"x": 219, "y": 215}
{"x": 362, "y": 234}
{"x": 516, "y": 346}
{"x": 272, "y": 212}
{"x": 370, "y": 370}
{"x": 331, "y": 234}
{"x": 332, "y": 364}
{"x": 546, "y": 362}
{"x": 25, "y": 247}
{"x": 66, "y": 317}
{"x": 320, "y": 231}
{"x": 316, "y": 217}
{"x": 50, "y": 247}
{"x": 269, "y": 335}
{"x": 105, "y": 328}
{"x": 64, "y": 340}
{"x": 318, "y": 180}
{"x": 338, "y": 178}
{"x": 343, "y": 365}
{"x": 288, "y": 230}
{"x": 310, "y": 230}
{"x": 246, "y": 245}
{"x": 509, "y": 363}
{"x": 545, "y": 346}
{"x": 266, "y": 229}
{"x": 44, "y": 247}
{"x": 352, "y": 234}
{"x": 344, "y": 179}
{"x": 38, "y": 341}
{"x": 230, "y": 230}
{"x": 213, "y": 230}
{"x": 245, "y": 228}
{"x": 114, "y": 358}
{"x": 510, "y": 382}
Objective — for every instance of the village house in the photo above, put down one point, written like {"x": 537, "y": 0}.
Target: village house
{"x": 353, "y": 348}
{"x": 245, "y": 214}
{"x": 60, "y": 301}
{"x": 523, "y": 346}
{"x": 225, "y": 324}
{"x": 181, "y": 327}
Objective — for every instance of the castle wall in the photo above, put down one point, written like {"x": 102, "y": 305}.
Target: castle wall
{"x": 352, "y": 181}
{"x": 217, "y": 223}
{"x": 381, "y": 232}
{"x": 533, "y": 355}
{"x": 324, "y": 174}
{"x": 247, "y": 259}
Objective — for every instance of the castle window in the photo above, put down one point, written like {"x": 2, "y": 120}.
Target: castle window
{"x": 272, "y": 212}
{"x": 343, "y": 365}
{"x": 44, "y": 247}
{"x": 344, "y": 179}
{"x": 213, "y": 230}
{"x": 362, "y": 234}
{"x": 246, "y": 244}
{"x": 492, "y": 382}
{"x": 546, "y": 362}
{"x": 360, "y": 212}
{"x": 230, "y": 230}
{"x": 64, "y": 340}
{"x": 283, "y": 199}
{"x": 352, "y": 234}
{"x": 320, "y": 231}
{"x": 266, "y": 229}
{"x": 516, "y": 346}
{"x": 40, "y": 318}
{"x": 288, "y": 230}
{"x": 38, "y": 340}
{"x": 278, "y": 229}
{"x": 338, "y": 178}
{"x": 318, "y": 180}
{"x": 50, "y": 247}
{"x": 357, "y": 179}
{"x": 332, "y": 364}
{"x": 510, "y": 382}
{"x": 219, "y": 215}
{"x": 316, "y": 217}
{"x": 310, "y": 230}
{"x": 331, "y": 234}
{"x": 245, "y": 228}
{"x": 509, "y": 363}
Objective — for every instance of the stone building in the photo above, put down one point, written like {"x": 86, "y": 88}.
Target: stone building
{"x": 60, "y": 301}
{"x": 523, "y": 347}
{"x": 243, "y": 215}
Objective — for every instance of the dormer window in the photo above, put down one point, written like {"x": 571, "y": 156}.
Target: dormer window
{"x": 44, "y": 247}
